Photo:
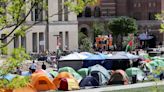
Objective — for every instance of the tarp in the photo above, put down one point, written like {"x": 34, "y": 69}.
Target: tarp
{"x": 83, "y": 72}
{"x": 26, "y": 73}
{"x": 119, "y": 77}
{"x": 134, "y": 71}
{"x": 41, "y": 82}
{"x": 9, "y": 77}
{"x": 72, "y": 71}
{"x": 95, "y": 57}
{"x": 123, "y": 55}
{"x": 73, "y": 56}
{"x": 103, "y": 73}
{"x": 86, "y": 54}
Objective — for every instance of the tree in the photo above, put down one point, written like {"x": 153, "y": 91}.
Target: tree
{"x": 160, "y": 17}
{"x": 98, "y": 29}
{"x": 84, "y": 43}
{"x": 122, "y": 26}
{"x": 13, "y": 15}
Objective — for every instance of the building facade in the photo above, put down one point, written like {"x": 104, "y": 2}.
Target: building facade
{"x": 143, "y": 11}
{"x": 62, "y": 30}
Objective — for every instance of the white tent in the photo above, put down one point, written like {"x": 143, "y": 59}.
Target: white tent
{"x": 73, "y": 56}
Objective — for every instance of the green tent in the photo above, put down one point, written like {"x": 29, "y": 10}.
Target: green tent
{"x": 66, "y": 69}
{"x": 134, "y": 71}
{"x": 72, "y": 71}
{"x": 53, "y": 73}
{"x": 83, "y": 72}
{"x": 160, "y": 63}
{"x": 153, "y": 63}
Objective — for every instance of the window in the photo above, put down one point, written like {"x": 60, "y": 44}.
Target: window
{"x": 23, "y": 41}
{"x": 16, "y": 41}
{"x": 139, "y": 4}
{"x": 66, "y": 12}
{"x": 41, "y": 42}
{"x": 80, "y": 15}
{"x": 154, "y": 4}
{"x": 88, "y": 12}
{"x": 60, "y": 10}
{"x": 134, "y": 4}
{"x": 97, "y": 12}
{"x": 150, "y": 5}
{"x": 60, "y": 40}
{"x": 37, "y": 12}
{"x": 66, "y": 40}
{"x": 34, "y": 42}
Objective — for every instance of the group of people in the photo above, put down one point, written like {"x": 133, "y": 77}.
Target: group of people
{"x": 32, "y": 68}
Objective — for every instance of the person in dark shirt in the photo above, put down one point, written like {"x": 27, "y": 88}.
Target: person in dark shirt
{"x": 43, "y": 66}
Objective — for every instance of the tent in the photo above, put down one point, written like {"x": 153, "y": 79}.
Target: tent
{"x": 119, "y": 77}
{"x": 68, "y": 84}
{"x": 53, "y": 73}
{"x": 61, "y": 75}
{"x": 99, "y": 73}
{"x": 41, "y": 71}
{"x": 144, "y": 37}
{"x": 89, "y": 81}
{"x": 72, "y": 71}
{"x": 42, "y": 83}
{"x": 29, "y": 88}
{"x": 73, "y": 56}
{"x": 134, "y": 71}
{"x": 83, "y": 72}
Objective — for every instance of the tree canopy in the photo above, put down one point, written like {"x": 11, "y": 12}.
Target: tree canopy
{"x": 122, "y": 25}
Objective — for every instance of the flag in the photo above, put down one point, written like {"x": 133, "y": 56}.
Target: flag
{"x": 129, "y": 45}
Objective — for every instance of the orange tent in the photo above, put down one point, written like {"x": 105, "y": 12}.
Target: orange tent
{"x": 61, "y": 75}
{"x": 25, "y": 89}
{"x": 42, "y": 83}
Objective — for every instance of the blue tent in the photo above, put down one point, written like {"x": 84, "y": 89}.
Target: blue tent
{"x": 89, "y": 81}
{"x": 93, "y": 60}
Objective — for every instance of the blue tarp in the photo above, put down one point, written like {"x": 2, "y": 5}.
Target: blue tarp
{"x": 9, "y": 77}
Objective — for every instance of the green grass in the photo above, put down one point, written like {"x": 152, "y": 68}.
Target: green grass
{"x": 145, "y": 89}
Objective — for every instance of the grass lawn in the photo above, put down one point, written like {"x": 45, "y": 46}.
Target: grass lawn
{"x": 145, "y": 89}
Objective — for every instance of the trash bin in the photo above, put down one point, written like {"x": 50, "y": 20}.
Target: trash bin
{"x": 134, "y": 79}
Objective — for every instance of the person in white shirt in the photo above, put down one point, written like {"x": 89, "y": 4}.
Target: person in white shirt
{"x": 33, "y": 67}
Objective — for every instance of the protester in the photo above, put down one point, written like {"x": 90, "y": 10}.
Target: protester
{"x": 33, "y": 67}
{"x": 43, "y": 66}
{"x": 18, "y": 71}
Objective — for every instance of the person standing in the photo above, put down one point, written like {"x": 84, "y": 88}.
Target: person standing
{"x": 33, "y": 67}
{"x": 43, "y": 66}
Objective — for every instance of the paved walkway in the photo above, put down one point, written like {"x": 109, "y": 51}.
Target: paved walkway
{"x": 121, "y": 87}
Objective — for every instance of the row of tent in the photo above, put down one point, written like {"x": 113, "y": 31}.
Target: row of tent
{"x": 68, "y": 79}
